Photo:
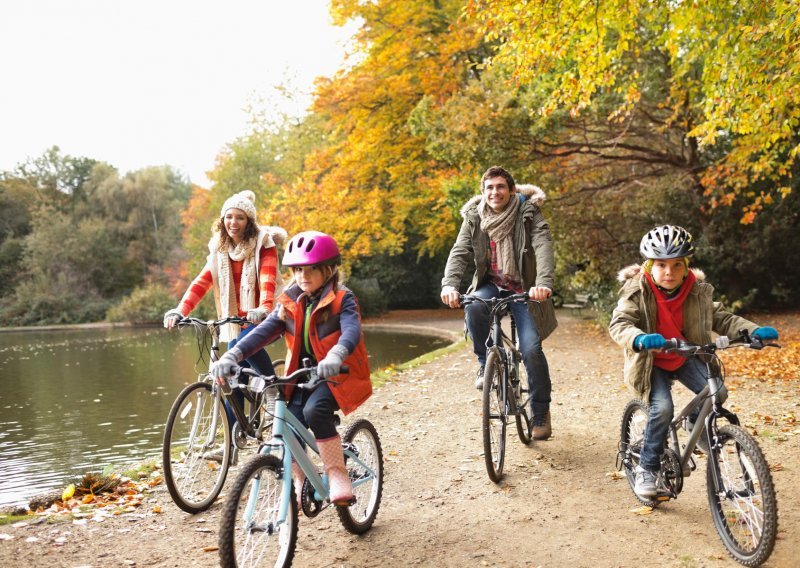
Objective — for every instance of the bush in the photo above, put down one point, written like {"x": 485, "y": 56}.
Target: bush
{"x": 145, "y": 304}
{"x": 371, "y": 300}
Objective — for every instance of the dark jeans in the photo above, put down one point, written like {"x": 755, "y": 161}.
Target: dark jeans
{"x": 530, "y": 343}
{"x": 259, "y": 361}
{"x": 315, "y": 410}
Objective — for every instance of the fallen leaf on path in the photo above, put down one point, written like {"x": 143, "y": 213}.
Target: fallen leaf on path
{"x": 210, "y": 548}
{"x": 615, "y": 475}
{"x": 69, "y": 491}
{"x": 643, "y": 510}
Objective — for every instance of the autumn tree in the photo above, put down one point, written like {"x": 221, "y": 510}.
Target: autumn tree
{"x": 731, "y": 73}
{"x": 371, "y": 182}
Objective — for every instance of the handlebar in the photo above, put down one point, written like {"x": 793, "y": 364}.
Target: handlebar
{"x": 188, "y": 320}
{"x": 495, "y": 303}
{"x": 259, "y": 383}
{"x": 687, "y": 349}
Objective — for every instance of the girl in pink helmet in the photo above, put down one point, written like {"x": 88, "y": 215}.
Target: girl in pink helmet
{"x": 320, "y": 320}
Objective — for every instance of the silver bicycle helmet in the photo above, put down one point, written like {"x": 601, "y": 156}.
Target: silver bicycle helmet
{"x": 666, "y": 241}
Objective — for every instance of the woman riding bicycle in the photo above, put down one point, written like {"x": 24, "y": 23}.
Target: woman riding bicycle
{"x": 664, "y": 299}
{"x": 507, "y": 238}
{"x": 242, "y": 269}
{"x": 321, "y": 321}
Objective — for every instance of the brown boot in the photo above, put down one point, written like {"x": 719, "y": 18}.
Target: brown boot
{"x": 541, "y": 427}
{"x": 298, "y": 477}
{"x": 341, "y": 490}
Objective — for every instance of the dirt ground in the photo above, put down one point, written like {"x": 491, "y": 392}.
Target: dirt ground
{"x": 560, "y": 503}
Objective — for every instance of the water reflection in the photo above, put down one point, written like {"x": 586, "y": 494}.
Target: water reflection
{"x": 78, "y": 400}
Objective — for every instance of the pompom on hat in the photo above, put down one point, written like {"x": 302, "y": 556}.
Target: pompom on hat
{"x": 244, "y": 200}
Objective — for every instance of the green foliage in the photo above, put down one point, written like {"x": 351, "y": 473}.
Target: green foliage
{"x": 88, "y": 236}
{"x": 404, "y": 280}
{"x": 371, "y": 301}
{"x": 755, "y": 266}
{"x": 146, "y": 304}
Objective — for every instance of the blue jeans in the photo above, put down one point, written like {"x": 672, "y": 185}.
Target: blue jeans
{"x": 693, "y": 374}
{"x": 530, "y": 343}
{"x": 259, "y": 361}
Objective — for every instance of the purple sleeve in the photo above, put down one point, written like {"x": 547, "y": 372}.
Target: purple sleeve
{"x": 268, "y": 331}
{"x": 350, "y": 323}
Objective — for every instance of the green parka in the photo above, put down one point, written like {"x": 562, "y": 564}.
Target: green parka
{"x": 636, "y": 311}
{"x": 532, "y": 242}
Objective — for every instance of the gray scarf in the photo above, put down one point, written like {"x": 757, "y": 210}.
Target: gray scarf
{"x": 500, "y": 228}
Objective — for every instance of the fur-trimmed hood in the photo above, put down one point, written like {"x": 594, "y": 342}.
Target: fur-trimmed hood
{"x": 530, "y": 192}
{"x": 634, "y": 270}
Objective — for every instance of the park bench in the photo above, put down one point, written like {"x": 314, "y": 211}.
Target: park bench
{"x": 580, "y": 302}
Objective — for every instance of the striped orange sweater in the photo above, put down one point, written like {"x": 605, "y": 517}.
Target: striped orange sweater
{"x": 267, "y": 273}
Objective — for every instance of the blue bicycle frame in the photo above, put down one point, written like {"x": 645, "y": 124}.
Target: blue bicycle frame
{"x": 288, "y": 434}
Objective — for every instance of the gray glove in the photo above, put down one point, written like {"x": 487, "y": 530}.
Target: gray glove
{"x": 171, "y": 318}
{"x": 223, "y": 368}
{"x": 257, "y": 315}
{"x": 332, "y": 363}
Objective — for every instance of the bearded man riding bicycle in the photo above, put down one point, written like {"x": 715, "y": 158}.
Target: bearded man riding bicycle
{"x": 506, "y": 236}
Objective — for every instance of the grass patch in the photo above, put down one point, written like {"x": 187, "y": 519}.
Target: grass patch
{"x": 145, "y": 468}
{"x": 10, "y": 519}
{"x": 384, "y": 375}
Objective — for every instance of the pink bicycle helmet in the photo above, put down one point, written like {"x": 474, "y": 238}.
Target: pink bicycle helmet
{"x": 311, "y": 247}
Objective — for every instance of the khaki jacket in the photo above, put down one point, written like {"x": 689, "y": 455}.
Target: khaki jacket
{"x": 636, "y": 311}
{"x": 534, "y": 248}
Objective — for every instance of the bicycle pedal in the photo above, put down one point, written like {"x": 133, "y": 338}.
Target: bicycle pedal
{"x": 348, "y": 503}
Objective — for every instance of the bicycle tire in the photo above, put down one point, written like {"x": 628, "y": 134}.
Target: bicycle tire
{"x": 193, "y": 478}
{"x": 522, "y": 414}
{"x": 746, "y": 516}
{"x": 359, "y": 517}
{"x": 258, "y": 542}
{"x": 634, "y": 421}
{"x": 494, "y": 417}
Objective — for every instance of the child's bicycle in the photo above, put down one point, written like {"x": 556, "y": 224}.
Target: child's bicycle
{"x": 260, "y": 514}
{"x": 505, "y": 384}
{"x": 197, "y": 450}
{"x": 738, "y": 480}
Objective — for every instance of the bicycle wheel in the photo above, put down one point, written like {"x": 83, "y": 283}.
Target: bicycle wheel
{"x": 494, "y": 417}
{"x": 358, "y": 517}
{"x": 745, "y": 511}
{"x": 197, "y": 448}
{"x": 522, "y": 403}
{"x": 634, "y": 420}
{"x": 250, "y": 533}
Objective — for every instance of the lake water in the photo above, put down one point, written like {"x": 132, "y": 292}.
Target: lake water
{"x": 76, "y": 401}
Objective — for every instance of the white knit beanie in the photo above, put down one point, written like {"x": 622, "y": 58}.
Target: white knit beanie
{"x": 244, "y": 200}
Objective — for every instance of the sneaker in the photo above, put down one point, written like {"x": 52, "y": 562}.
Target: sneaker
{"x": 542, "y": 429}
{"x": 645, "y": 483}
{"x": 479, "y": 380}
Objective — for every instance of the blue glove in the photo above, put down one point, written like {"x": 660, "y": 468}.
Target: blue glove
{"x": 649, "y": 341}
{"x": 765, "y": 333}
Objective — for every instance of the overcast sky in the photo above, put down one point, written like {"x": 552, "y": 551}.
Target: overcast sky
{"x": 137, "y": 83}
